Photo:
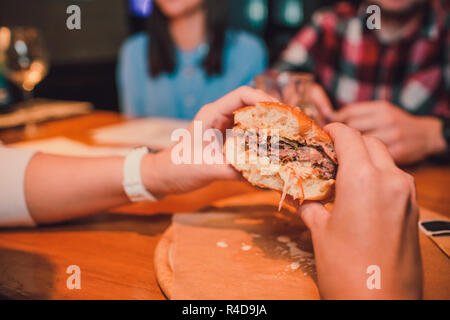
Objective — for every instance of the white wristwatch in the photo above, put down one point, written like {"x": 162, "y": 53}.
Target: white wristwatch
{"x": 132, "y": 181}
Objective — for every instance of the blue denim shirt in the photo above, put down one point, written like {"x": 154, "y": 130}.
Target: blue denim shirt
{"x": 182, "y": 93}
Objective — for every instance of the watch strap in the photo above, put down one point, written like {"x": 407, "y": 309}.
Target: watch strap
{"x": 132, "y": 181}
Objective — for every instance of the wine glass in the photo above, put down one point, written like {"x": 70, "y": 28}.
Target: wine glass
{"x": 24, "y": 61}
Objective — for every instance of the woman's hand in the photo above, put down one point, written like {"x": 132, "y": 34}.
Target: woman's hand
{"x": 373, "y": 222}
{"x": 163, "y": 176}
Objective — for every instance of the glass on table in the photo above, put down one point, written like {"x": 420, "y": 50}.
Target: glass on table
{"x": 292, "y": 88}
{"x": 24, "y": 61}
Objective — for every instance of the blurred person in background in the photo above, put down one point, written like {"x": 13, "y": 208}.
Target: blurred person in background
{"x": 187, "y": 58}
{"x": 392, "y": 83}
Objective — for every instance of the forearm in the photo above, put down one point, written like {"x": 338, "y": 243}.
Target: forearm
{"x": 58, "y": 188}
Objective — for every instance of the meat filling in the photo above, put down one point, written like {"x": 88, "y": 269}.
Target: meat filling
{"x": 293, "y": 151}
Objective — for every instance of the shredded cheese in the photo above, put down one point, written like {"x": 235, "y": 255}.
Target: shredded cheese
{"x": 286, "y": 185}
{"x": 303, "y": 191}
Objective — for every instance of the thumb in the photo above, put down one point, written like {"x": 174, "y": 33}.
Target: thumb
{"x": 314, "y": 215}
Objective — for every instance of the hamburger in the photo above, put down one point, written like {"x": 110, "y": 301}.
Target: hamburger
{"x": 277, "y": 146}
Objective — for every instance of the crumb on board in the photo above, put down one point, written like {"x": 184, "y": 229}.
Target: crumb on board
{"x": 222, "y": 244}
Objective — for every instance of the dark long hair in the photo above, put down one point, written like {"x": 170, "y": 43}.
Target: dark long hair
{"x": 162, "y": 47}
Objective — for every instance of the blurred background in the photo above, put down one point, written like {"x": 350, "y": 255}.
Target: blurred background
{"x": 83, "y": 62}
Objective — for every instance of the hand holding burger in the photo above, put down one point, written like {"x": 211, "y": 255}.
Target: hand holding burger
{"x": 373, "y": 223}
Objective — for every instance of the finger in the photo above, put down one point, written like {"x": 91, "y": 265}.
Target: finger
{"x": 349, "y": 145}
{"x": 412, "y": 183}
{"x": 364, "y": 123}
{"x": 355, "y": 110}
{"x": 323, "y": 104}
{"x": 388, "y": 135}
{"x": 397, "y": 151}
{"x": 314, "y": 215}
{"x": 244, "y": 96}
{"x": 379, "y": 153}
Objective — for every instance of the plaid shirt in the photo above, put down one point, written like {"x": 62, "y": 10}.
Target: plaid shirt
{"x": 352, "y": 64}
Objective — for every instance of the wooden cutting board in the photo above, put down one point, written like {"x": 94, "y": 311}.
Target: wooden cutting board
{"x": 237, "y": 251}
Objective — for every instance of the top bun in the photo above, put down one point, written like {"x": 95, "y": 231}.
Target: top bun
{"x": 290, "y": 122}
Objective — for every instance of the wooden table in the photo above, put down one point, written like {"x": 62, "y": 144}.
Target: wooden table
{"x": 114, "y": 250}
